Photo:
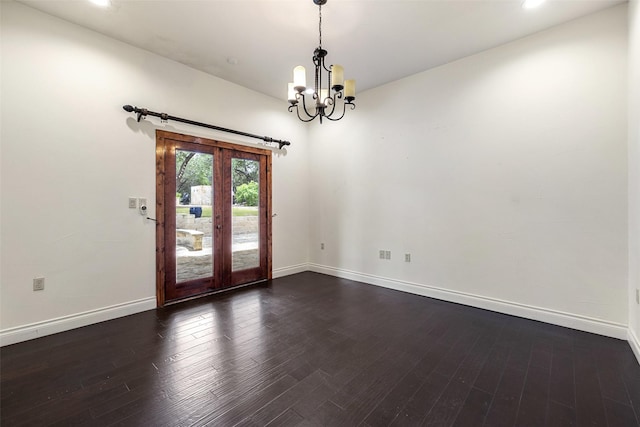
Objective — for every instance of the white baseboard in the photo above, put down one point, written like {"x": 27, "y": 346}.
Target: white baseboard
{"x": 66, "y": 323}
{"x": 569, "y": 320}
{"x": 61, "y": 324}
{"x": 634, "y": 343}
{"x": 583, "y": 323}
{"x": 289, "y": 270}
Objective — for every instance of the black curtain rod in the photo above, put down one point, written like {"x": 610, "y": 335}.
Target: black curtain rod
{"x": 143, "y": 112}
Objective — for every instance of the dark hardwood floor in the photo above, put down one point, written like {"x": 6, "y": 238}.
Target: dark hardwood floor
{"x": 314, "y": 350}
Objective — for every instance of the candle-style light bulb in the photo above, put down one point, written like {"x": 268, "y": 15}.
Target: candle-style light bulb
{"x": 299, "y": 78}
{"x": 350, "y": 90}
{"x": 291, "y": 93}
{"x": 337, "y": 77}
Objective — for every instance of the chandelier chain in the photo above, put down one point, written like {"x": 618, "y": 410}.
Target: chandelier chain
{"x": 320, "y": 25}
{"x": 317, "y": 84}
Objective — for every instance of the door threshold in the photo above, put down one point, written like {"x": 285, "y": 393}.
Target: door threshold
{"x": 214, "y": 292}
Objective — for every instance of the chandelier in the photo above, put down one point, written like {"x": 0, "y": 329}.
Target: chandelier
{"x": 329, "y": 95}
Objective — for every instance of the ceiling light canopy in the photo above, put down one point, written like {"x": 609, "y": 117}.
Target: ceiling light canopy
{"x": 101, "y": 3}
{"x": 531, "y": 4}
{"x": 330, "y": 91}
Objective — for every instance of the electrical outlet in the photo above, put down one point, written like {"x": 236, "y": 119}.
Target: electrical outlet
{"x": 133, "y": 203}
{"x": 38, "y": 284}
{"x": 142, "y": 201}
{"x": 381, "y": 254}
{"x": 322, "y": 246}
{"x": 387, "y": 254}
{"x": 407, "y": 257}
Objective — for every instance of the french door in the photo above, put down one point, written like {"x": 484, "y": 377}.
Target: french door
{"x": 213, "y": 208}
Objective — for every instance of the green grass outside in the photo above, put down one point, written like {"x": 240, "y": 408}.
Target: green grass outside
{"x": 245, "y": 211}
{"x": 237, "y": 211}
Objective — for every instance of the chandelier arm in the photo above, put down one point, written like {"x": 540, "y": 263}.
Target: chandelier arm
{"x": 308, "y": 117}
{"x": 344, "y": 109}
{"x": 328, "y": 70}
{"x": 304, "y": 107}
{"x": 332, "y": 101}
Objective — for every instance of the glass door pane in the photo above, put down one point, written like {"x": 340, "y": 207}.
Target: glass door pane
{"x": 245, "y": 214}
{"x": 194, "y": 211}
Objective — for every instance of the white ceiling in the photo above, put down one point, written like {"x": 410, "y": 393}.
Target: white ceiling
{"x": 377, "y": 41}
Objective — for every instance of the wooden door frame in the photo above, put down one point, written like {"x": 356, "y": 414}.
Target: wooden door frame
{"x": 163, "y": 142}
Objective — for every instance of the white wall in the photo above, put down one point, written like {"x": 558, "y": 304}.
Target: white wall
{"x": 634, "y": 174}
{"x": 71, "y": 157}
{"x": 504, "y": 175}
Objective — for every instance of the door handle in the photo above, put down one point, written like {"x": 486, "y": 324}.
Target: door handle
{"x": 218, "y": 227}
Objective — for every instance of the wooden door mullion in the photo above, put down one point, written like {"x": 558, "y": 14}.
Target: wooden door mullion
{"x": 218, "y": 217}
